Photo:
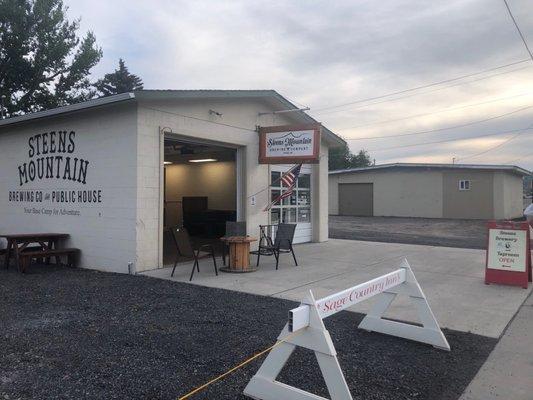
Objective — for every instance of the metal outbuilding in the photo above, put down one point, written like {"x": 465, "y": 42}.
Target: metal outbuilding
{"x": 428, "y": 190}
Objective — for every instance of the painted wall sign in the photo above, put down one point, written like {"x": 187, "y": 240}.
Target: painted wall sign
{"x": 78, "y": 173}
{"x": 508, "y": 258}
{"x": 289, "y": 144}
{"x": 52, "y": 158}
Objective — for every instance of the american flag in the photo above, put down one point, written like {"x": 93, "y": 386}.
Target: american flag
{"x": 288, "y": 181}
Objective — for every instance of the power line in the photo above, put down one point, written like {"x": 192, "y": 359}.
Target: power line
{"x": 433, "y": 90}
{"x": 519, "y": 158}
{"x": 450, "y": 140}
{"x": 435, "y": 112}
{"x": 199, "y": 119}
{"x": 296, "y": 102}
{"x": 442, "y": 129}
{"x": 491, "y": 148}
{"x": 422, "y": 86}
{"x": 518, "y": 29}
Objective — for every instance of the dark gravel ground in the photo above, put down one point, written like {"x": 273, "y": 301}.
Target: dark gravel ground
{"x": 80, "y": 334}
{"x": 462, "y": 233}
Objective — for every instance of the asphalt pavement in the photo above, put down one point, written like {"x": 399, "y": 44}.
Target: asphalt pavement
{"x": 460, "y": 233}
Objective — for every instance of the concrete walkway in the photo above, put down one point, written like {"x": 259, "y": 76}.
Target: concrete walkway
{"x": 508, "y": 372}
{"x": 451, "y": 278}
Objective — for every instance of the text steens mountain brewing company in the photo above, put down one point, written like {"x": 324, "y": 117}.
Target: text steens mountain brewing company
{"x": 49, "y": 160}
{"x": 288, "y": 141}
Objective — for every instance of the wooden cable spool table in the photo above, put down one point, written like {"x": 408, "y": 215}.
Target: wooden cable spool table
{"x": 239, "y": 254}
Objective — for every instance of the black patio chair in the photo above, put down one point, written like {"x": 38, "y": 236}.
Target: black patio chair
{"x": 282, "y": 242}
{"x": 232, "y": 229}
{"x": 186, "y": 249}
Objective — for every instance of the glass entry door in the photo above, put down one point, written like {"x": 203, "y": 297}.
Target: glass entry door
{"x": 295, "y": 209}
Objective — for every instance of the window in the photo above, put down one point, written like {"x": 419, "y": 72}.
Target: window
{"x": 295, "y": 208}
{"x": 464, "y": 185}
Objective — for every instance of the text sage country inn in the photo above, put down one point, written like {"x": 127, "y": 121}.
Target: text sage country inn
{"x": 116, "y": 172}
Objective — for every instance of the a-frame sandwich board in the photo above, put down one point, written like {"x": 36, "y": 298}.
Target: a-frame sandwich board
{"x": 263, "y": 386}
{"x": 429, "y": 332}
{"x": 313, "y": 335}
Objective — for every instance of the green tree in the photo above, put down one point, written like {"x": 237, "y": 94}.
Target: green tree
{"x": 43, "y": 63}
{"x": 343, "y": 158}
{"x": 361, "y": 159}
{"x": 119, "y": 81}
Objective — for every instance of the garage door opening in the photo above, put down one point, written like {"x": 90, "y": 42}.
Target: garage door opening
{"x": 356, "y": 199}
{"x": 200, "y": 192}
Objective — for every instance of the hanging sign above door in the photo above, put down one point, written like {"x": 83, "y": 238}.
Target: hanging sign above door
{"x": 289, "y": 144}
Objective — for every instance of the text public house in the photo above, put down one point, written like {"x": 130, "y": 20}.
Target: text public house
{"x": 57, "y": 196}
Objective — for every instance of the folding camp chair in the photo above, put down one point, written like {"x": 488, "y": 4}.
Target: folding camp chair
{"x": 185, "y": 248}
{"x": 275, "y": 240}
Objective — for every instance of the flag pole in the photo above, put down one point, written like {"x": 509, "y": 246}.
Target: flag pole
{"x": 281, "y": 196}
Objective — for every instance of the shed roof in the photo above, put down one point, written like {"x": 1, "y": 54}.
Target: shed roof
{"x": 172, "y": 95}
{"x": 426, "y": 166}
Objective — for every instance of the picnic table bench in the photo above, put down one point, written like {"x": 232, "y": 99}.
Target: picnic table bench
{"x": 27, "y": 246}
{"x": 27, "y": 256}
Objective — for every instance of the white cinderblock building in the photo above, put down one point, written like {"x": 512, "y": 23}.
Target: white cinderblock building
{"x": 107, "y": 171}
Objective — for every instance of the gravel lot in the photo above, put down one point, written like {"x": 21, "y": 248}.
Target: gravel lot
{"x": 72, "y": 333}
{"x": 462, "y": 233}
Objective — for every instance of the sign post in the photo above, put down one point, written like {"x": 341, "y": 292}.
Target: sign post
{"x": 305, "y": 328}
{"x": 508, "y": 258}
{"x": 289, "y": 144}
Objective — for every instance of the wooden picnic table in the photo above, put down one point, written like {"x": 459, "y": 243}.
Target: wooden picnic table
{"x": 17, "y": 243}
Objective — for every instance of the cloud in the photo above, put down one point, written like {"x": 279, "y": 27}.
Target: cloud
{"x": 326, "y": 53}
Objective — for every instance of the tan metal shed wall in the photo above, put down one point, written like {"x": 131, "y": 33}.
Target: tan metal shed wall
{"x": 356, "y": 199}
{"x": 513, "y": 196}
{"x": 476, "y": 203}
{"x": 396, "y": 193}
{"x": 508, "y": 193}
{"x": 333, "y": 194}
{"x": 435, "y": 194}
{"x": 498, "y": 195}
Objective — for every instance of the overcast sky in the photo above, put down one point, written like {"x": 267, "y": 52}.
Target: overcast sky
{"x": 325, "y": 53}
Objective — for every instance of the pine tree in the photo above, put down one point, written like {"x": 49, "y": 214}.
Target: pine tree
{"x": 43, "y": 63}
{"x": 120, "y": 81}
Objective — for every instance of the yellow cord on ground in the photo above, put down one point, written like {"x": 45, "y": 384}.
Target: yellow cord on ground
{"x": 200, "y": 388}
